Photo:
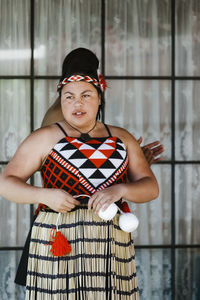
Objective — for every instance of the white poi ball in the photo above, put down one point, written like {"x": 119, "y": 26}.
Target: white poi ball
{"x": 128, "y": 222}
{"x": 109, "y": 213}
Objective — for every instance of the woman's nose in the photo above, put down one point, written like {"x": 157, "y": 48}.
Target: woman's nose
{"x": 78, "y": 101}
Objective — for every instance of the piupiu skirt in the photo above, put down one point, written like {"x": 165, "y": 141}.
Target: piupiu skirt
{"x": 101, "y": 265}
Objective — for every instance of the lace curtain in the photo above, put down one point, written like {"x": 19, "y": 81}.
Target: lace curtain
{"x": 137, "y": 42}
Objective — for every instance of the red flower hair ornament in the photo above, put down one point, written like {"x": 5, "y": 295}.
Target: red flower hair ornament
{"x": 102, "y": 82}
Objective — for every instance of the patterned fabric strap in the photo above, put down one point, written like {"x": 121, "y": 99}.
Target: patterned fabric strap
{"x": 75, "y": 78}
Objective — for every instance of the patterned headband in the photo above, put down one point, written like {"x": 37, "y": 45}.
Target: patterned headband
{"x": 76, "y": 78}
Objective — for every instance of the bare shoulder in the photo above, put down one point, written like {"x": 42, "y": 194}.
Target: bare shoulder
{"x": 41, "y": 141}
{"x": 33, "y": 151}
{"x": 123, "y": 134}
{"x": 42, "y": 134}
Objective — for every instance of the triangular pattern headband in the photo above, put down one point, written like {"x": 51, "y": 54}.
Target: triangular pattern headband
{"x": 76, "y": 78}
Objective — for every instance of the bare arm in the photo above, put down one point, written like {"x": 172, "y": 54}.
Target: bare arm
{"x": 26, "y": 161}
{"x": 143, "y": 186}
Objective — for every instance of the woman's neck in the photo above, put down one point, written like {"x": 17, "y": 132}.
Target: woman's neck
{"x": 84, "y": 132}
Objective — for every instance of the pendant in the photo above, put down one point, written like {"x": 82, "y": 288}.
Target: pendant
{"x": 85, "y": 137}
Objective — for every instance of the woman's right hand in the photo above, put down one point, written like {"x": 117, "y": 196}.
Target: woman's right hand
{"x": 59, "y": 200}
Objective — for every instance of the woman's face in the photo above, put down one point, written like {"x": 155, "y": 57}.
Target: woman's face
{"x": 80, "y": 103}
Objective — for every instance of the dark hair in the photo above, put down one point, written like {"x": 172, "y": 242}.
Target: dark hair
{"x": 102, "y": 105}
{"x": 82, "y": 61}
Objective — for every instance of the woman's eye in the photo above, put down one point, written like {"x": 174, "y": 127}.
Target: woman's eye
{"x": 86, "y": 96}
{"x": 69, "y": 97}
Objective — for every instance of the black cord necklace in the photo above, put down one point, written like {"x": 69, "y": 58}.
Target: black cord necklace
{"x": 84, "y": 135}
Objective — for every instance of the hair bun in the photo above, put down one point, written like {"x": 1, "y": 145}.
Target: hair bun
{"x": 80, "y": 61}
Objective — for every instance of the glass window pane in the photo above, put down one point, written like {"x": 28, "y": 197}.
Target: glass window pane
{"x": 8, "y": 266}
{"x": 38, "y": 183}
{"x": 77, "y": 25}
{"x": 155, "y": 216}
{"x": 138, "y": 37}
{"x": 15, "y": 50}
{"x": 14, "y": 115}
{"x": 143, "y": 107}
{"x": 187, "y": 42}
{"x": 187, "y": 204}
{"x": 45, "y": 94}
{"x": 38, "y": 179}
{"x": 14, "y": 229}
{"x": 14, "y": 222}
{"x": 187, "y": 120}
{"x": 187, "y": 274}
{"x": 154, "y": 273}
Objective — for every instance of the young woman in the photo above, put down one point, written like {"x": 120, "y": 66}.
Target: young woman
{"x": 85, "y": 165}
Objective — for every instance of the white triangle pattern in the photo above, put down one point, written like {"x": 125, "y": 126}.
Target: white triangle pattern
{"x": 107, "y": 172}
{"x": 59, "y": 146}
{"x": 78, "y": 162}
{"x": 122, "y": 145}
{"x": 122, "y": 153}
{"x": 67, "y": 153}
{"x": 87, "y": 172}
{"x": 96, "y": 182}
{"x": 116, "y": 162}
{"x": 97, "y": 155}
{"x": 106, "y": 147}
{"x": 108, "y": 141}
{"x": 86, "y": 147}
{"x": 76, "y": 141}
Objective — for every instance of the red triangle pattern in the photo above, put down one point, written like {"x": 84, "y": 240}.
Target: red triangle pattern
{"x": 71, "y": 141}
{"x": 93, "y": 142}
{"x": 107, "y": 152}
{"x": 87, "y": 152}
{"x": 77, "y": 145}
{"x": 98, "y": 161}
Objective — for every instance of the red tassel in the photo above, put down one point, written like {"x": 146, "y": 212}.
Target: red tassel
{"x": 60, "y": 245}
{"x": 124, "y": 207}
{"x": 102, "y": 82}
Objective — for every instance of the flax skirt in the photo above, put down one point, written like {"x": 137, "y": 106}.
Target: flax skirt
{"x": 101, "y": 265}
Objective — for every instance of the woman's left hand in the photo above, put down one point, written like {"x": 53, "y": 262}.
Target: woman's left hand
{"x": 105, "y": 197}
{"x": 152, "y": 151}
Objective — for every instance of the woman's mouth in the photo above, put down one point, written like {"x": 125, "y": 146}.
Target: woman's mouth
{"x": 79, "y": 113}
